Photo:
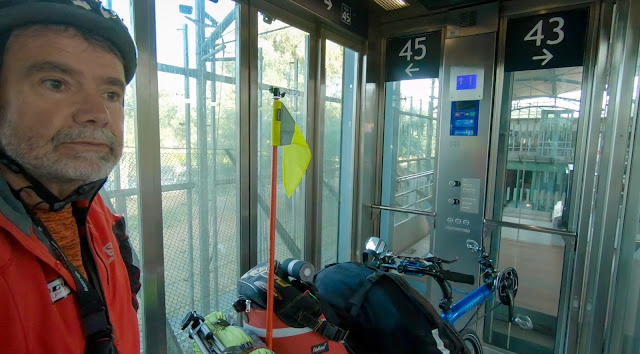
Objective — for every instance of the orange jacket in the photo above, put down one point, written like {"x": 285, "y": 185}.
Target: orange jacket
{"x": 31, "y": 279}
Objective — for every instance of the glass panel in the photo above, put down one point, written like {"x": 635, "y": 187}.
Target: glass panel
{"x": 543, "y": 125}
{"x": 337, "y": 181}
{"x": 539, "y": 261}
{"x": 282, "y": 62}
{"x": 199, "y": 149}
{"x": 540, "y": 115}
{"x": 626, "y": 303}
{"x": 120, "y": 193}
{"x": 409, "y": 160}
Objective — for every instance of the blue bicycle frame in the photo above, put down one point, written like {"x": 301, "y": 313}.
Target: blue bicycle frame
{"x": 473, "y": 299}
{"x": 502, "y": 284}
{"x": 477, "y": 297}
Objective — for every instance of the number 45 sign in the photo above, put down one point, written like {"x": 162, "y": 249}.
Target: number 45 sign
{"x": 553, "y": 40}
{"x": 414, "y": 57}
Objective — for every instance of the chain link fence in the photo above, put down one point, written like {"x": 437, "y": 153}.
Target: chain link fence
{"x": 182, "y": 236}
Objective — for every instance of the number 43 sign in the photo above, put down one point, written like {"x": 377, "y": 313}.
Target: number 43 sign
{"x": 553, "y": 40}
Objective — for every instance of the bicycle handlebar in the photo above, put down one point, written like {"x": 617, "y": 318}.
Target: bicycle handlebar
{"x": 459, "y": 277}
{"x": 433, "y": 271}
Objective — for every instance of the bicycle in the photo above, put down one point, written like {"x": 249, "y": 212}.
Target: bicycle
{"x": 503, "y": 283}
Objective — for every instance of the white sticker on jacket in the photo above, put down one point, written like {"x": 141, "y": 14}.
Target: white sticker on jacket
{"x": 108, "y": 249}
{"x": 58, "y": 290}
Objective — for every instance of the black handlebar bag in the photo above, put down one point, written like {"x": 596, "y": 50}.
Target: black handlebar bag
{"x": 382, "y": 312}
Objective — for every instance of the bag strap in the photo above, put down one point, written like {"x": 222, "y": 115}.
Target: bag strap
{"x": 416, "y": 299}
{"x": 358, "y": 298}
{"x": 323, "y": 327}
{"x": 93, "y": 312}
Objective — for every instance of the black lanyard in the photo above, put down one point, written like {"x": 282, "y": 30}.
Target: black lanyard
{"x": 93, "y": 312}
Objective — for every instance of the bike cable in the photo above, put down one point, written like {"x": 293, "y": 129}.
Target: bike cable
{"x": 481, "y": 317}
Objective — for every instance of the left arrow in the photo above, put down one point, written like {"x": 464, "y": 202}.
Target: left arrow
{"x": 410, "y": 68}
{"x": 329, "y": 4}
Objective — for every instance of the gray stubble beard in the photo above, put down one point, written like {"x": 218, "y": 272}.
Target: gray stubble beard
{"x": 50, "y": 167}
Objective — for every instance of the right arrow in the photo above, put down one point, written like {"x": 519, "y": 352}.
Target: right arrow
{"x": 329, "y": 4}
{"x": 410, "y": 68}
{"x": 547, "y": 56}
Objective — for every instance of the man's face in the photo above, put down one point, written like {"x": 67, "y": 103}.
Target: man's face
{"x": 61, "y": 105}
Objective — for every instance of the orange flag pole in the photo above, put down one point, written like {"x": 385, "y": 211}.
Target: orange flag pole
{"x": 272, "y": 247}
{"x": 272, "y": 238}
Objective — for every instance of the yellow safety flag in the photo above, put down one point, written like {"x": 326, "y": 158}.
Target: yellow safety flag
{"x": 296, "y": 154}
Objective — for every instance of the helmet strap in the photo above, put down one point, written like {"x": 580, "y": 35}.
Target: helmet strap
{"x": 55, "y": 203}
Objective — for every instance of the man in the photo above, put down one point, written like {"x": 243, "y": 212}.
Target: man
{"x": 67, "y": 279}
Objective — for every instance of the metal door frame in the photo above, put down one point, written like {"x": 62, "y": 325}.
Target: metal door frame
{"x": 297, "y": 19}
{"x": 631, "y": 212}
{"x": 609, "y": 211}
{"x": 391, "y": 30}
{"x": 345, "y": 247}
{"x": 583, "y": 179}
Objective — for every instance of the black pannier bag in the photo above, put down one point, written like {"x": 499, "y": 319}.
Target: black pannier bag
{"x": 382, "y": 312}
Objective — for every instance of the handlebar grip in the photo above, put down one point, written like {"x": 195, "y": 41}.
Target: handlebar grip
{"x": 459, "y": 277}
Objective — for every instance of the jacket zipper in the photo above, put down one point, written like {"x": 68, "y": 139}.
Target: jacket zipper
{"x": 97, "y": 254}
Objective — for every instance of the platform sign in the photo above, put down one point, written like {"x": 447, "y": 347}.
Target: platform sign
{"x": 352, "y": 15}
{"x": 414, "y": 57}
{"x": 551, "y": 40}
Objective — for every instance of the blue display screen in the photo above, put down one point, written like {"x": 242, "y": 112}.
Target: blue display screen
{"x": 467, "y": 82}
{"x": 464, "y": 118}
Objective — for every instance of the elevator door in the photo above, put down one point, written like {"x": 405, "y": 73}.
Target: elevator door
{"x": 533, "y": 220}
{"x": 412, "y": 106}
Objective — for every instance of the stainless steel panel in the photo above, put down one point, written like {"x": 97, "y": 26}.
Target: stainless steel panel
{"x": 463, "y": 158}
{"x": 368, "y": 150}
{"x": 594, "y": 83}
{"x": 610, "y": 183}
{"x": 412, "y": 26}
{"x": 358, "y": 123}
{"x": 472, "y": 21}
{"x": 315, "y": 125}
{"x": 203, "y": 165}
{"x": 148, "y": 143}
{"x": 247, "y": 166}
{"x": 623, "y": 333}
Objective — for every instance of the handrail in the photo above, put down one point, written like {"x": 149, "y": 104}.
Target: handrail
{"x": 535, "y": 228}
{"x": 414, "y": 176}
{"x": 404, "y": 210}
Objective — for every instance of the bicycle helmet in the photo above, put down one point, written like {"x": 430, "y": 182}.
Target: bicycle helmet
{"x": 88, "y": 15}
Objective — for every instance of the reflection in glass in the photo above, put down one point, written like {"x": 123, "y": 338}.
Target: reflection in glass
{"x": 339, "y": 130}
{"x": 540, "y": 118}
{"x": 541, "y": 147}
{"x": 282, "y": 62}
{"x": 199, "y": 152}
{"x": 539, "y": 265}
{"x": 409, "y": 161}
